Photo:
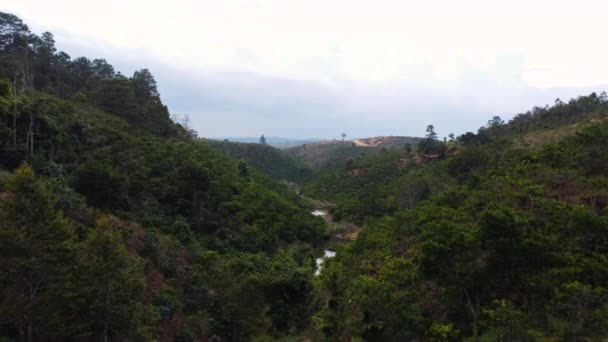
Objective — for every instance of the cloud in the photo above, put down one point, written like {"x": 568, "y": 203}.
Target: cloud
{"x": 316, "y": 68}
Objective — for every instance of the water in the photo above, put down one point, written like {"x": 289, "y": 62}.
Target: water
{"x": 318, "y": 213}
{"x": 326, "y": 255}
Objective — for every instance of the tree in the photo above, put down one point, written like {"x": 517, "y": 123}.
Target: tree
{"x": 10, "y": 27}
{"x": 116, "y": 96}
{"x": 408, "y": 148}
{"x": 100, "y": 185}
{"x": 14, "y": 43}
{"x": 44, "y": 50}
{"x": 449, "y": 254}
{"x": 145, "y": 84}
{"x": 111, "y": 283}
{"x": 430, "y": 132}
{"x": 36, "y": 254}
{"x": 103, "y": 69}
{"x": 81, "y": 69}
{"x": 495, "y": 122}
{"x": 185, "y": 122}
{"x": 451, "y": 136}
{"x": 343, "y": 135}
{"x": 242, "y": 169}
{"x": 263, "y": 140}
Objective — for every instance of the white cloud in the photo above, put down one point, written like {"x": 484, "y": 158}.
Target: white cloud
{"x": 440, "y": 58}
{"x": 375, "y": 38}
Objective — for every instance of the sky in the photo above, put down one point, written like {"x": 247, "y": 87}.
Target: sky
{"x": 317, "y": 68}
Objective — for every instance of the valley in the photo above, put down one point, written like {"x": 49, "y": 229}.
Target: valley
{"x": 118, "y": 223}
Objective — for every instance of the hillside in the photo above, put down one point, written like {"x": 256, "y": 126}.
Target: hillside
{"x": 505, "y": 241}
{"x": 115, "y": 224}
{"x": 382, "y": 183}
{"x": 329, "y": 153}
{"x": 267, "y": 159}
{"x": 387, "y": 141}
{"x": 118, "y": 224}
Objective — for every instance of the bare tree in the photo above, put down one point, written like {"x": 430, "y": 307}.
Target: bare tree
{"x": 186, "y": 121}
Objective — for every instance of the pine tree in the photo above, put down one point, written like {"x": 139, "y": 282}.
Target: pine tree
{"x": 111, "y": 283}
{"x": 36, "y": 254}
{"x": 430, "y": 132}
{"x": 242, "y": 169}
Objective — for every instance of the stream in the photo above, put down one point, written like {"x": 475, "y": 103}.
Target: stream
{"x": 326, "y": 252}
{"x": 326, "y": 255}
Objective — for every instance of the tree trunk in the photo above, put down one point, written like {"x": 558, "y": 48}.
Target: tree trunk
{"x": 30, "y": 296}
{"x": 31, "y": 134}
{"x": 105, "y": 322}
{"x": 29, "y": 139}
{"x": 29, "y": 331}
{"x": 15, "y": 112}
{"x": 26, "y": 66}
{"x": 473, "y": 315}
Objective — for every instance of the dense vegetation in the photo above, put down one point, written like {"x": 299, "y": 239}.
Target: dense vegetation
{"x": 318, "y": 156}
{"x": 375, "y": 185}
{"x": 268, "y": 159}
{"x": 506, "y": 242}
{"x": 117, "y": 224}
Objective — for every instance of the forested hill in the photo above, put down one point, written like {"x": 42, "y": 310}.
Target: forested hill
{"x": 327, "y": 154}
{"x": 268, "y": 159}
{"x": 116, "y": 224}
{"x": 382, "y": 183}
{"x": 499, "y": 235}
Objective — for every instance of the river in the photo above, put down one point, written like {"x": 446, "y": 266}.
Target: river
{"x": 326, "y": 255}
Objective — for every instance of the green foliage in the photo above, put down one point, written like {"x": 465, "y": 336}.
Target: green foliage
{"x": 334, "y": 154}
{"x": 430, "y": 132}
{"x": 432, "y": 147}
{"x": 112, "y": 283}
{"x": 37, "y": 257}
{"x": 377, "y": 185}
{"x": 134, "y": 230}
{"x": 265, "y": 158}
{"x": 115, "y": 96}
{"x": 514, "y": 249}
{"x": 505, "y": 321}
{"x": 99, "y": 185}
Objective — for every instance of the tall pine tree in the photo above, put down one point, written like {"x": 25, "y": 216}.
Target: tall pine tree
{"x": 112, "y": 284}
{"x": 36, "y": 254}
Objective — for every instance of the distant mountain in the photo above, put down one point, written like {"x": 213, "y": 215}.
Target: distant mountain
{"x": 278, "y": 142}
{"x": 335, "y": 152}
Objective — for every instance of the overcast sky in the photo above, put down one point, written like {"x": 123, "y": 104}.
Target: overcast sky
{"x": 317, "y": 68}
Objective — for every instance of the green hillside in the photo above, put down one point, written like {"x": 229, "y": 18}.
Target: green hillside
{"x": 508, "y": 242}
{"x": 265, "y": 158}
{"x": 116, "y": 224}
{"x": 327, "y": 154}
